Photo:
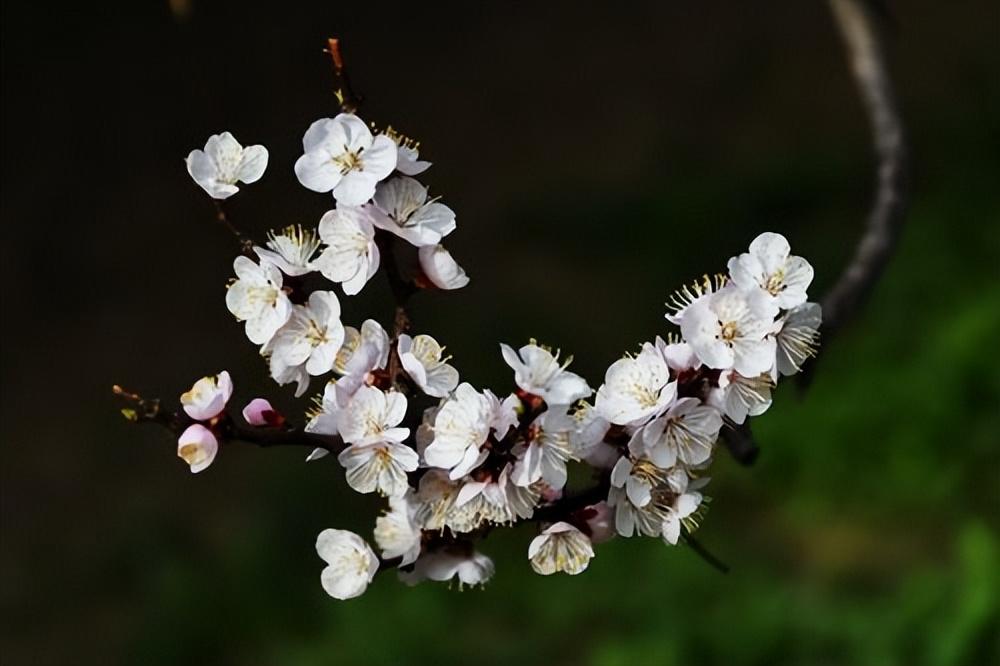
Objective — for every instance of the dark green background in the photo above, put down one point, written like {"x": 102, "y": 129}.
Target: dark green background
{"x": 597, "y": 159}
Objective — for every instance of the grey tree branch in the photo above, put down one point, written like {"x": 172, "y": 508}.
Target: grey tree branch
{"x": 861, "y": 26}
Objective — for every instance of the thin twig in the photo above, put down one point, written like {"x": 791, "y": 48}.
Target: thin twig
{"x": 349, "y": 101}
{"x": 228, "y": 427}
{"x": 562, "y": 508}
{"x": 860, "y": 28}
{"x": 703, "y": 552}
{"x": 246, "y": 244}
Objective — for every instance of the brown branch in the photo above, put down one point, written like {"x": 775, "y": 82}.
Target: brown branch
{"x": 349, "y": 101}
{"x": 564, "y": 507}
{"x": 228, "y": 428}
{"x": 861, "y": 30}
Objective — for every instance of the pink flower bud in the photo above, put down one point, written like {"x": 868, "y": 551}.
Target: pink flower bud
{"x": 259, "y": 412}
{"x": 208, "y": 397}
{"x": 197, "y": 447}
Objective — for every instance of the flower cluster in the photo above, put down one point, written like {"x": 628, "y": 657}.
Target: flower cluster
{"x": 454, "y": 460}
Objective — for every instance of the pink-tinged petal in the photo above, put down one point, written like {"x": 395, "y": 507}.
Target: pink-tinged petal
{"x": 197, "y": 446}
{"x": 259, "y": 412}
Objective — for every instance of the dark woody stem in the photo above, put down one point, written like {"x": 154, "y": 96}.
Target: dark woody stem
{"x": 349, "y": 101}
{"x": 246, "y": 245}
{"x": 227, "y": 427}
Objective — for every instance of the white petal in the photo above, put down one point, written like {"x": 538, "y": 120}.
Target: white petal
{"x": 253, "y": 164}
{"x": 380, "y": 159}
{"x": 355, "y": 188}
{"x": 317, "y": 172}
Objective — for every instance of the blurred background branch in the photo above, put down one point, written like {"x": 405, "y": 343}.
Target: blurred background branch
{"x": 862, "y": 25}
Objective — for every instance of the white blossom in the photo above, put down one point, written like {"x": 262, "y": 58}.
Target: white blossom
{"x": 682, "y": 508}
{"x": 421, "y": 358}
{"x": 769, "y": 267}
{"x": 311, "y": 337}
{"x": 256, "y": 297}
{"x": 538, "y": 371}
{"x": 351, "y": 563}
{"x": 381, "y": 466}
{"x": 284, "y": 373}
{"x": 636, "y": 388}
{"x": 738, "y": 396}
{"x": 351, "y": 256}
{"x": 560, "y": 547}
{"x": 397, "y": 532}
{"x": 197, "y": 446}
{"x": 729, "y": 329}
{"x": 402, "y": 208}
{"x": 223, "y": 163}
{"x": 377, "y": 460}
{"x": 435, "y": 497}
{"x": 408, "y": 160}
{"x": 797, "y": 337}
{"x": 372, "y": 417}
{"x": 688, "y": 295}
{"x": 686, "y": 432}
{"x": 440, "y": 268}
{"x": 469, "y": 568}
{"x": 208, "y": 396}
{"x": 505, "y": 414}
{"x": 491, "y": 500}
{"x": 363, "y": 351}
{"x": 589, "y": 431}
{"x": 407, "y": 154}
{"x": 336, "y": 395}
{"x": 291, "y": 250}
{"x": 680, "y": 356}
{"x": 460, "y": 429}
{"x": 640, "y": 493}
{"x": 544, "y": 456}
{"x": 342, "y": 155}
